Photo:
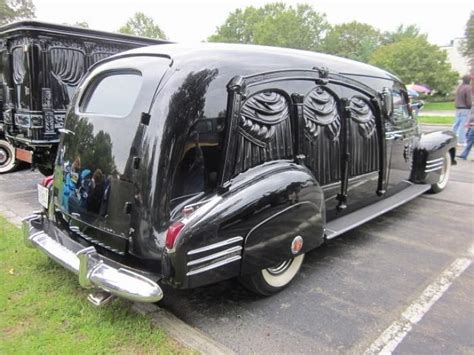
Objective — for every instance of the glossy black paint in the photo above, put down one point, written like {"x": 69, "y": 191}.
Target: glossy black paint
{"x": 432, "y": 146}
{"x": 41, "y": 65}
{"x": 262, "y": 144}
{"x": 268, "y": 206}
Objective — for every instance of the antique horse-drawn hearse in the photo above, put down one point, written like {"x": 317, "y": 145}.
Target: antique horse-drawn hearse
{"x": 41, "y": 65}
{"x": 191, "y": 165}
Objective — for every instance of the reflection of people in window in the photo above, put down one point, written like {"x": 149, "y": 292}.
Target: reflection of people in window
{"x": 94, "y": 199}
{"x": 71, "y": 180}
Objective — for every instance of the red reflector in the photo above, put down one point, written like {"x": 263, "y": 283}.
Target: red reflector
{"x": 172, "y": 234}
{"x": 47, "y": 181}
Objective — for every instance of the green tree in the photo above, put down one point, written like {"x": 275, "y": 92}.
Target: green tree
{"x": 468, "y": 45}
{"x": 353, "y": 40}
{"x": 403, "y": 32}
{"x": 416, "y": 60}
{"x": 142, "y": 25}
{"x": 14, "y": 10}
{"x": 274, "y": 24}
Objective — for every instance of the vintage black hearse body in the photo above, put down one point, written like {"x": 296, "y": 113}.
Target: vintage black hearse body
{"x": 191, "y": 165}
{"x": 41, "y": 65}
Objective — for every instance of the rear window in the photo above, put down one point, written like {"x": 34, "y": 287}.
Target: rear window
{"x": 113, "y": 94}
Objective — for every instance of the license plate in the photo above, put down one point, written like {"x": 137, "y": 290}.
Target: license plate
{"x": 24, "y": 155}
{"x": 43, "y": 193}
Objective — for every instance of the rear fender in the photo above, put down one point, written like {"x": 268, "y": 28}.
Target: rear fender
{"x": 428, "y": 154}
{"x": 283, "y": 201}
{"x": 251, "y": 226}
{"x": 269, "y": 242}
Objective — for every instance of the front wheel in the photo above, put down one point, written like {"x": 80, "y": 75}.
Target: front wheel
{"x": 443, "y": 176}
{"x": 271, "y": 280}
{"x": 8, "y": 160}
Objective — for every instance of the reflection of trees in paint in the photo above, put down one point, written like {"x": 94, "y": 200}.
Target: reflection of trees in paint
{"x": 186, "y": 108}
{"x": 94, "y": 151}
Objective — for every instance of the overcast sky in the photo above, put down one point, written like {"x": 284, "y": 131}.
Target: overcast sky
{"x": 194, "y": 21}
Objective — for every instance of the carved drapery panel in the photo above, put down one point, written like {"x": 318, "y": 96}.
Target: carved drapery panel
{"x": 67, "y": 68}
{"x": 320, "y": 113}
{"x": 102, "y": 51}
{"x": 363, "y": 138}
{"x": 263, "y": 131}
{"x": 19, "y": 68}
{"x": 322, "y": 129}
{"x": 67, "y": 65}
{"x": 363, "y": 116}
{"x": 96, "y": 56}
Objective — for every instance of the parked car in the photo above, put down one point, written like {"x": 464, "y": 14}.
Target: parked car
{"x": 191, "y": 165}
{"x": 41, "y": 65}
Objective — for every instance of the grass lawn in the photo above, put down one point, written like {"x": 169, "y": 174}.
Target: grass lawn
{"x": 449, "y": 120}
{"x": 44, "y": 310}
{"x": 439, "y": 106}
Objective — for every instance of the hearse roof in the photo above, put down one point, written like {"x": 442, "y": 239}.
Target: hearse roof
{"x": 21, "y": 27}
{"x": 254, "y": 58}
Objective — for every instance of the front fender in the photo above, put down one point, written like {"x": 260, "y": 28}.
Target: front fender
{"x": 431, "y": 148}
{"x": 251, "y": 227}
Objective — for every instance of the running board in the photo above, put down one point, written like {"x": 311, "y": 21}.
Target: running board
{"x": 355, "y": 219}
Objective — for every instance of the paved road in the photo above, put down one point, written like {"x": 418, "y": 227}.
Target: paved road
{"x": 350, "y": 290}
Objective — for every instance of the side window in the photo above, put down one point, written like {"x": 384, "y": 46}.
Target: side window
{"x": 193, "y": 173}
{"x": 112, "y": 95}
{"x": 400, "y": 107}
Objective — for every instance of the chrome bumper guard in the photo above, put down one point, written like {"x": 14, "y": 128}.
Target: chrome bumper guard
{"x": 91, "y": 267}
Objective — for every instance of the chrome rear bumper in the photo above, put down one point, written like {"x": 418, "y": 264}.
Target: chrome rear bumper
{"x": 93, "y": 269}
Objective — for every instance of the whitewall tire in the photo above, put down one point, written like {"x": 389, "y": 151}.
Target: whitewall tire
{"x": 8, "y": 160}
{"x": 271, "y": 280}
{"x": 444, "y": 175}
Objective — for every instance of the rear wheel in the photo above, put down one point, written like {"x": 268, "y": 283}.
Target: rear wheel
{"x": 8, "y": 161}
{"x": 444, "y": 175}
{"x": 271, "y": 280}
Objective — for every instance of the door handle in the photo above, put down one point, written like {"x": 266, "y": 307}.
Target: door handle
{"x": 394, "y": 137}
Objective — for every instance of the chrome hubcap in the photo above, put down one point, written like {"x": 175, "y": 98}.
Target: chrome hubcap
{"x": 3, "y": 156}
{"x": 280, "y": 268}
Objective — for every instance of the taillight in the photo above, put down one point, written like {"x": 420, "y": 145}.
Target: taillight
{"x": 47, "y": 181}
{"x": 172, "y": 234}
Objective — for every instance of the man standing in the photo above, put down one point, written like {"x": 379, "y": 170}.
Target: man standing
{"x": 463, "y": 105}
{"x": 469, "y": 136}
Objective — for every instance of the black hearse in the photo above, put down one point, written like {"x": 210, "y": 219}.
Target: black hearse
{"x": 41, "y": 65}
{"x": 191, "y": 165}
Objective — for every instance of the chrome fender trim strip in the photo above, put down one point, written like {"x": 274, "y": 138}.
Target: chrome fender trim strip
{"x": 215, "y": 255}
{"x": 434, "y": 160}
{"x": 433, "y": 169}
{"x": 213, "y": 266}
{"x": 216, "y": 245}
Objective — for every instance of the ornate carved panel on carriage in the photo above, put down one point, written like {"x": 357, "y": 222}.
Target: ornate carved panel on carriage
{"x": 364, "y": 138}
{"x": 263, "y": 130}
{"x": 322, "y": 129}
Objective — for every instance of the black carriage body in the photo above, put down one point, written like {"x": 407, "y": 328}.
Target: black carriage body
{"x": 41, "y": 65}
{"x": 225, "y": 153}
